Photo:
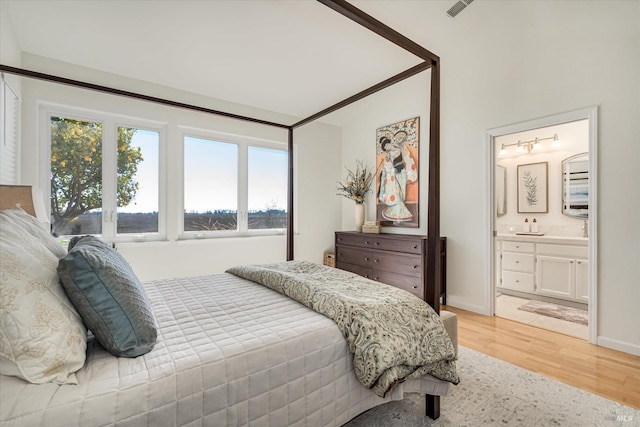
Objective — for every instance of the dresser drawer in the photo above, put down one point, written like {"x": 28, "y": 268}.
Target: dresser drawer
{"x": 518, "y": 281}
{"x": 517, "y": 262}
{"x": 357, "y": 269}
{"x": 352, "y": 255}
{"x": 355, "y": 239}
{"x": 409, "y": 265}
{"x": 408, "y": 283}
{"x": 413, "y": 246}
{"x": 510, "y": 246}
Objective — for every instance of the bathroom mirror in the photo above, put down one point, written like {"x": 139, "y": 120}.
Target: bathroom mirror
{"x": 501, "y": 190}
{"x": 575, "y": 186}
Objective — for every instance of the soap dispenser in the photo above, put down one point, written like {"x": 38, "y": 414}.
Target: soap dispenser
{"x": 526, "y": 227}
{"x": 534, "y": 226}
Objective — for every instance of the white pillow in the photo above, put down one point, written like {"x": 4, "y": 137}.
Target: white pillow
{"x": 34, "y": 228}
{"x": 42, "y": 338}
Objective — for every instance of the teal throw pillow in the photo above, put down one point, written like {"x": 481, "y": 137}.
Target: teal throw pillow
{"x": 108, "y": 296}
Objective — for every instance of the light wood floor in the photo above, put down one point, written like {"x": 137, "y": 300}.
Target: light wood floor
{"x": 608, "y": 373}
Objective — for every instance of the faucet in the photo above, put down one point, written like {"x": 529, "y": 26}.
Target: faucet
{"x": 585, "y": 229}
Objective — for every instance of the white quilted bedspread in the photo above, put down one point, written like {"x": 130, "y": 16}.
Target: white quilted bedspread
{"x": 230, "y": 353}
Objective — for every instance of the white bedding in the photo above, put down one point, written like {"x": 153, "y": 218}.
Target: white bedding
{"x": 230, "y": 353}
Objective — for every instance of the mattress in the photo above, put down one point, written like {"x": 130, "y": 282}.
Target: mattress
{"x": 230, "y": 353}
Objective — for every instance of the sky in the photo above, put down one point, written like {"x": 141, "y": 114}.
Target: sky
{"x": 211, "y": 171}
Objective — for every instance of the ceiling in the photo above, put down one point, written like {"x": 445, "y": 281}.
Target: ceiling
{"x": 291, "y": 57}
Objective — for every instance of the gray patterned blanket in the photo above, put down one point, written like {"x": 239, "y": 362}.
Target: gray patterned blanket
{"x": 392, "y": 334}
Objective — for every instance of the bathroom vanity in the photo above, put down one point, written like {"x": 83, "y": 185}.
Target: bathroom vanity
{"x": 547, "y": 266}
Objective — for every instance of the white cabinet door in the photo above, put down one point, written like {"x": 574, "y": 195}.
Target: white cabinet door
{"x": 556, "y": 276}
{"x": 582, "y": 280}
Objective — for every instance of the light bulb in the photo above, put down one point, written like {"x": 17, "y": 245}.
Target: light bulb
{"x": 503, "y": 151}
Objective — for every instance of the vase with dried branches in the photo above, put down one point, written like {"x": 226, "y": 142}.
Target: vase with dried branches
{"x": 355, "y": 186}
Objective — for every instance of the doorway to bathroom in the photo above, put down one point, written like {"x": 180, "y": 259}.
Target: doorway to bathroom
{"x": 542, "y": 229}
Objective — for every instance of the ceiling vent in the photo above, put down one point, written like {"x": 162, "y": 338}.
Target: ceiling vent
{"x": 458, "y": 7}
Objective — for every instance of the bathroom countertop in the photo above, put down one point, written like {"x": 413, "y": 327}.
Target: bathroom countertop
{"x": 564, "y": 240}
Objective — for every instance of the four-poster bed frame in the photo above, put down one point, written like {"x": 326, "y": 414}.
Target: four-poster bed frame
{"x": 431, "y": 61}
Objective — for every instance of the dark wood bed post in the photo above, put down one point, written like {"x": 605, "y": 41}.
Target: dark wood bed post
{"x": 290, "y": 198}
{"x": 433, "y": 215}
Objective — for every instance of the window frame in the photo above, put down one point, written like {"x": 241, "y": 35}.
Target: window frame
{"x": 243, "y": 143}
{"x": 110, "y": 123}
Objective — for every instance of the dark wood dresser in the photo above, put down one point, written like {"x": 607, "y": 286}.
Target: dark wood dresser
{"x": 395, "y": 259}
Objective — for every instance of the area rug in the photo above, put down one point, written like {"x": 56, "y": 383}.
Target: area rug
{"x": 561, "y": 312}
{"x": 495, "y": 393}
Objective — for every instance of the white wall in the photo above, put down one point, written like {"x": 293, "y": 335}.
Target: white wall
{"x": 316, "y": 146}
{"x": 506, "y": 62}
{"x": 9, "y": 49}
{"x": 404, "y": 100}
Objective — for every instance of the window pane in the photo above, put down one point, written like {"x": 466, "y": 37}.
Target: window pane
{"x": 76, "y": 177}
{"x": 267, "y": 190}
{"x": 210, "y": 185}
{"x": 138, "y": 172}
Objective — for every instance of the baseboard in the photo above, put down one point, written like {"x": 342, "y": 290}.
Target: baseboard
{"x": 619, "y": 345}
{"x": 452, "y": 301}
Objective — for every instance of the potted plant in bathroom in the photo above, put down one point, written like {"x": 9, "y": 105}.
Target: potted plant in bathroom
{"x": 355, "y": 186}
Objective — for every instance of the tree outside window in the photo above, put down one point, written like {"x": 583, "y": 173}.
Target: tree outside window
{"x": 77, "y": 174}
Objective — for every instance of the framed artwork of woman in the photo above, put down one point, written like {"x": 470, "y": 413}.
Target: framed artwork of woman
{"x": 397, "y": 184}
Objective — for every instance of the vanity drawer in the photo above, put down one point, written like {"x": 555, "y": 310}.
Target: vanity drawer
{"x": 510, "y": 246}
{"x": 518, "y": 281}
{"x": 563, "y": 250}
{"x": 517, "y": 262}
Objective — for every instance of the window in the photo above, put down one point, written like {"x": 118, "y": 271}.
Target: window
{"x": 210, "y": 185}
{"x": 98, "y": 169}
{"x": 76, "y": 177}
{"x": 267, "y": 185}
{"x": 237, "y": 186}
{"x": 137, "y": 178}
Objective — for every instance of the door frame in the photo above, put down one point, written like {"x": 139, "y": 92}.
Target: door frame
{"x": 590, "y": 114}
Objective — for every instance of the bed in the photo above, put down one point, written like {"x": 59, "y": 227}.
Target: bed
{"x": 228, "y": 351}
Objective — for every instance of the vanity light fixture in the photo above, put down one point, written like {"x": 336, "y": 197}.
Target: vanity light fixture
{"x": 529, "y": 146}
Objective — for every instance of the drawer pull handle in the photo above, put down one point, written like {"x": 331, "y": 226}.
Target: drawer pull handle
{"x": 415, "y": 287}
{"x": 517, "y": 281}
{"x": 415, "y": 266}
{"x": 375, "y": 260}
{"x": 415, "y": 247}
{"x": 517, "y": 247}
{"x": 377, "y": 243}
{"x": 366, "y": 259}
{"x": 366, "y": 243}
{"x": 517, "y": 262}
{"x": 377, "y": 278}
